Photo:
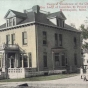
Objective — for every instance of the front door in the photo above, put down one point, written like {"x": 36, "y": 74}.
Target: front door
{"x": 57, "y": 61}
{"x": 12, "y": 62}
{"x": 63, "y": 60}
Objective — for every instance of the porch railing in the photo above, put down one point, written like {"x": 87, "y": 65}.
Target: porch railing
{"x": 9, "y": 46}
{"x": 15, "y": 70}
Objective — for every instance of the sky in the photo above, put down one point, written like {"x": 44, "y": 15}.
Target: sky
{"x": 76, "y": 11}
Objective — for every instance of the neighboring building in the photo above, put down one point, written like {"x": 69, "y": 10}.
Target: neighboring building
{"x": 85, "y": 59}
{"x": 85, "y": 55}
{"x": 35, "y": 42}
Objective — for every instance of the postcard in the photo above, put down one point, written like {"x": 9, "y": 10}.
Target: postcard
{"x": 43, "y": 43}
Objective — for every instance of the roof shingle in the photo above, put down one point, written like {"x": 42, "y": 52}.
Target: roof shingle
{"x": 39, "y": 17}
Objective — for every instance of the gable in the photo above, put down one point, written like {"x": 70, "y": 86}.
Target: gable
{"x": 9, "y": 14}
{"x": 63, "y": 16}
{"x": 57, "y": 14}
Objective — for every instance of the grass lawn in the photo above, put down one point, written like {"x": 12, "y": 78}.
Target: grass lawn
{"x": 40, "y": 78}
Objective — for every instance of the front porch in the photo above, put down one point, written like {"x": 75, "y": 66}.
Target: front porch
{"x": 14, "y": 61}
{"x": 11, "y": 56}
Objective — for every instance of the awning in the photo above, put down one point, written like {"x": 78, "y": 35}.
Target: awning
{"x": 58, "y": 49}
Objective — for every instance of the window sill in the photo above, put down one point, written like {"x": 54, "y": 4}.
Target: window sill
{"x": 25, "y": 45}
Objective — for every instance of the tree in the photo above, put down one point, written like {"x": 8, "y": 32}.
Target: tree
{"x": 84, "y": 32}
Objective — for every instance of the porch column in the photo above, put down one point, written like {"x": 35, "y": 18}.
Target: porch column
{"x": 3, "y": 65}
{"x": 53, "y": 59}
{"x": 22, "y": 61}
{"x": 10, "y": 62}
{"x": 1, "y": 62}
{"x": 6, "y": 58}
{"x": 15, "y": 62}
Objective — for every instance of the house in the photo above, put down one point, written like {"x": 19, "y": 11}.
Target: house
{"x": 85, "y": 60}
{"x": 36, "y": 42}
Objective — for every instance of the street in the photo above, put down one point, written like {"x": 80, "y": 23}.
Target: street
{"x": 72, "y": 82}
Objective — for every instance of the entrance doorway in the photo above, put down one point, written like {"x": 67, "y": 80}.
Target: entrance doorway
{"x": 11, "y": 57}
{"x": 57, "y": 61}
{"x": 63, "y": 60}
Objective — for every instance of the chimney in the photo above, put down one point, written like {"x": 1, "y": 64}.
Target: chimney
{"x": 36, "y": 8}
{"x": 25, "y": 11}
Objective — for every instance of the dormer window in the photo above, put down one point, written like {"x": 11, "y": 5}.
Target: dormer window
{"x": 11, "y": 22}
{"x": 60, "y": 22}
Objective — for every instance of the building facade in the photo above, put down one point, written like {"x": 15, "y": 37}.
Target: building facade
{"x": 36, "y": 42}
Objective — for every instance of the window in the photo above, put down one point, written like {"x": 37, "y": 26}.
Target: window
{"x": 75, "y": 42}
{"x": 13, "y": 38}
{"x": 24, "y": 38}
{"x": 10, "y": 22}
{"x": 30, "y": 59}
{"x": 7, "y": 39}
{"x": 0, "y": 60}
{"x": 25, "y": 61}
{"x": 87, "y": 61}
{"x": 63, "y": 60}
{"x": 66, "y": 61}
{"x": 20, "y": 60}
{"x": 63, "y": 23}
{"x": 45, "y": 59}
{"x": 7, "y": 22}
{"x": 60, "y": 39}
{"x": 56, "y": 39}
{"x": 56, "y": 57}
{"x": 60, "y": 22}
{"x": 44, "y": 38}
{"x": 13, "y": 21}
{"x": 75, "y": 59}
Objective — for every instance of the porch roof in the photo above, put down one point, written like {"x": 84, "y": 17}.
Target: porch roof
{"x": 58, "y": 49}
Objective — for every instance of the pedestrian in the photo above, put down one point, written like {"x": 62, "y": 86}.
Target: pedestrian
{"x": 81, "y": 72}
{"x": 85, "y": 78}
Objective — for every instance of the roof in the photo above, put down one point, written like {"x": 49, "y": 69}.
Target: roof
{"x": 30, "y": 17}
{"x": 3, "y": 26}
{"x": 68, "y": 27}
{"x": 39, "y": 18}
{"x": 18, "y": 14}
{"x": 57, "y": 14}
